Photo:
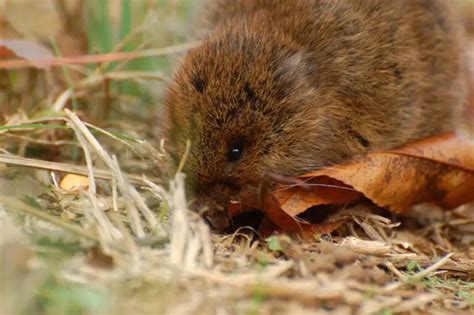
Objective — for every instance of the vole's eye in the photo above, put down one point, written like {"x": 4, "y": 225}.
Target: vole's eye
{"x": 235, "y": 152}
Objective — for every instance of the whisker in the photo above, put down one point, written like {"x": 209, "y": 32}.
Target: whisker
{"x": 317, "y": 185}
{"x": 320, "y": 167}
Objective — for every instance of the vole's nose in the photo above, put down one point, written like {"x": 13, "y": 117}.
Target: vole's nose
{"x": 218, "y": 218}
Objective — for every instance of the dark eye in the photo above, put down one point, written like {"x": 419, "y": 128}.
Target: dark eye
{"x": 235, "y": 152}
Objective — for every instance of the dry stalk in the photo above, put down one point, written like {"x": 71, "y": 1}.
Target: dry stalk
{"x": 366, "y": 247}
{"x": 106, "y": 229}
{"x": 62, "y": 167}
{"x": 43, "y": 142}
{"x": 418, "y": 276}
{"x": 124, "y": 187}
{"x": 88, "y": 59}
{"x": 190, "y": 236}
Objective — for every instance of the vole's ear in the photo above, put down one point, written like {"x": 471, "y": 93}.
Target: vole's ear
{"x": 296, "y": 70}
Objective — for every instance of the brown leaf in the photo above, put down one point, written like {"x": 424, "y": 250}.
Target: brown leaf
{"x": 6, "y": 53}
{"x": 316, "y": 190}
{"x": 24, "y": 49}
{"x": 438, "y": 170}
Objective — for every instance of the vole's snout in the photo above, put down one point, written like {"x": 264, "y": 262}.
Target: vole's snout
{"x": 217, "y": 217}
{"x": 212, "y": 204}
{"x": 213, "y": 212}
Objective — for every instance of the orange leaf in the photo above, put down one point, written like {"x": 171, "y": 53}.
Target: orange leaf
{"x": 73, "y": 182}
{"x": 316, "y": 190}
{"x": 292, "y": 224}
{"x": 438, "y": 170}
{"x": 6, "y": 53}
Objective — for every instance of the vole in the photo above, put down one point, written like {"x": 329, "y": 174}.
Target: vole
{"x": 289, "y": 86}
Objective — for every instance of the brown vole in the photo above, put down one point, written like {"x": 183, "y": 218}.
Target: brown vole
{"x": 288, "y": 86}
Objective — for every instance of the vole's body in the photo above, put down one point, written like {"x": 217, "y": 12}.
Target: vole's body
{"x": 285, "y": 87}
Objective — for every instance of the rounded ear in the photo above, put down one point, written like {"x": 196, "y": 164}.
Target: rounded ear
{"x": 296, "y": 70}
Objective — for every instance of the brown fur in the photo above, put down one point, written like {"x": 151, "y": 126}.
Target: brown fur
{"x": 306, "y": 83}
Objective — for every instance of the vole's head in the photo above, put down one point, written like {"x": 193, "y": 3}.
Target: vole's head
{"x": 244, "y": 101}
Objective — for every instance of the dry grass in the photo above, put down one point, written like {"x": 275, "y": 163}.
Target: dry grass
{"x": 124, "y": 256}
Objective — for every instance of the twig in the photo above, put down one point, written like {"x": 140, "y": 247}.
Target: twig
{"x": 394, "y": 270}
{"x": 64, "y": 167}
{"x": 43, "y": 142}
{"x": 418, "y": 276}
{"x": 89, "y": 59}
{"x": 425, "y": 273}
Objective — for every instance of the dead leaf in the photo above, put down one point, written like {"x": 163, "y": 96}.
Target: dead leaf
{"x": 31, "y": 51}
{"x": 439, "y": 170}
{"x": 324, "y": 190}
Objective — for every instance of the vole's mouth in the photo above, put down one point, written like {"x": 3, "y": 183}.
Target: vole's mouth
{"x": 218, "y": 223}
{"x": 219, "y": 205}
{"x": 213, "y": 209}
{"x": 224, "y": 223}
